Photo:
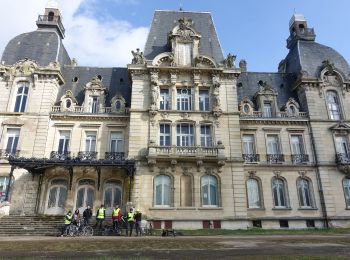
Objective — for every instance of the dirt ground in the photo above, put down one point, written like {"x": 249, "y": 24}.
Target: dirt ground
{"x": 224, "y": 247}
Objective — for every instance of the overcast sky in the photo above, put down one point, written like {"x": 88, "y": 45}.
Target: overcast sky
{"x": 103, "y": 32}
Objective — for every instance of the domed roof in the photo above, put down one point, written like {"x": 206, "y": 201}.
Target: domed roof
{"x": 43, "y": 46}
{"x": 53, "y": 4}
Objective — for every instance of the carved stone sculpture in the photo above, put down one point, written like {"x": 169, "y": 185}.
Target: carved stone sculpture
{"x": 229, "y": 62}
{"x": 138, "y": 57}
{"x": 243, "y": 65}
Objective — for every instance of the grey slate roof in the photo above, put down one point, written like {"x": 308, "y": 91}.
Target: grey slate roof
{"x": 248, "y": 85}
{"x": 116, "y": 80}
{"x": 164, "y": 21}
{"x": 309, "y": 55}
{"x": 40, "y": 45}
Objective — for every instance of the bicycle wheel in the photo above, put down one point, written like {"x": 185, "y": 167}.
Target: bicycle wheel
{"x": 71, "y": 231}
{"x": 88, "y": 231}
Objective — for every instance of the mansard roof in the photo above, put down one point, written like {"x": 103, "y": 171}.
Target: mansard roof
{"x": 308, "y": 56}
{"x": 248, "y": 85}
{"x": 43, "y": 46}
{"x": 115, "y": 80}
{"x": 164, "y": 21}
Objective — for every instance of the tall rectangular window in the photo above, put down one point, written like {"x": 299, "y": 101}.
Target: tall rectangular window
{"x": 164, "y": 135}
{"x": 273, "y": 144}
{"x": 90, "y": 142}
{"x": 94, "y": 105}
{"x": 164, "y": 99}
{"x": 183, "y": 54}
{"x": 21, "y": 97}
{"x": 184, "y": 99}
{"x": 184, "y": 135}
{"x": 248, "y": 144}
{"x": 63, "y": 142}
{"x": 342, "y": 146}
{"x": 116, "y": 142}
{"x": 204, "y": 100}
{"x": 297, "y": 144}
{"x": 12, "y": 140}
{"x": 206, "y": 136}
{"x": 267, "y": 112}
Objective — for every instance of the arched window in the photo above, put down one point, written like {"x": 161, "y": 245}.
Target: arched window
{"x": 57, "y": 197}
{"x": 209, "y": 185}
{"x": 333, "y": 105}
{"x": 68, "y": 103}
{"x": 162, "y": 190}
{"x": 118, "y": 105}
{"x": 21, "y": 97}
{"x": 253, "y": 191}
{"x": 279, "y": 193}
{"x": 85, "y": 194}
{"x": 304, "y": 192}
{"x": 112, "y": 195}
{"x": 346, "y": 186}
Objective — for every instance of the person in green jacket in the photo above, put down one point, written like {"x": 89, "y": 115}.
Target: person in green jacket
{"x": 67, "y": 221}
{"x": 100, "y": 216}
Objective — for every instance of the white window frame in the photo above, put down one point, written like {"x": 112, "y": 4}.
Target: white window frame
{"x": 248, "y": 146}
{"x": 183, "y": 54}
{"x": 333, "y": 106}
{"x": 64, "y": 135}
{"x": 277, "y": 144}
{"x": 282, "y": 204}
{"x": 297, "y": 145}
{"x": 184, "y": 99}
{"x": 165, "y": 199}
{"x": 303, "y": 193}
{"x": 267, "y": 110}
{"x": 94, "y": 104}
{"x": 183, "y": 138}
{"x": 12, "y": 133}
{"x": 21, "y": 97}
{"x": 164, "y": 101}
{"x": 209, "y": 183}
{"x": 346, "y": 189}
{"x": 90, "y": 141}
{"x": 206, "y": 138}
{"x": 254, "y": 196}
{"x": 119, "y": 142}
{"x": 163, "y": 135}
{"x": 204, "y": 104}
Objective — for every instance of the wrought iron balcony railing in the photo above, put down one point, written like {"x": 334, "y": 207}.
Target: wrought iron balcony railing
{"x": 274, "y": 158}
{"x": 300, "y": 158}
{"x": 55, "y": 155}
{"x": 251, "y": 158}
{"x": 186, "y": 150}
{"x": 282, "y": 114}
{"x": 5, "y": 153}
{"x": 342, "y": 158}
{"x": 83, "y": 156}
{"x": 115, "y": 156}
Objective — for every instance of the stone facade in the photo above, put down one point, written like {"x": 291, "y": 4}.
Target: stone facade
{"x": 182, "y": 133}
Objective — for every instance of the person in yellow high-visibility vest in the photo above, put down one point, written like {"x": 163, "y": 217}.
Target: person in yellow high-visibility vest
{"x": 130, "y": 221}
{"x": 116, "y": 215}
{"x": 100, "y": 216}
{"x": 67, "y": 221}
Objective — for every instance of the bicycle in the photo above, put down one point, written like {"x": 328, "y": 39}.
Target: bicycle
{"x": 147, "y": 229}
{"x": 80, "y": 230}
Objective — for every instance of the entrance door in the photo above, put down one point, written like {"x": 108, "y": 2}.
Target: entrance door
{"x": 85, "y": 197}
{"x": 112, "y": 195}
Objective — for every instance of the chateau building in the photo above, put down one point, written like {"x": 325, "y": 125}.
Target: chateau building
{"x": 182, "y": 133}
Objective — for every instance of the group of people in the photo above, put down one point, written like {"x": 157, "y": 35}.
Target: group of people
{"x": 131, "y": 219}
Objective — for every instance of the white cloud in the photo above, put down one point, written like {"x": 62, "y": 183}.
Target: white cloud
{"x": 92, "y": 42}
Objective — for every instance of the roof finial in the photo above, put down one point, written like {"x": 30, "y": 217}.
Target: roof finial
{"x": 53, "y": 4}
{"x": 181, "y": 9}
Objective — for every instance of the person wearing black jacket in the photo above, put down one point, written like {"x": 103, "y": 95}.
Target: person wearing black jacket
{"x": 137, "y": 217}
{"x": 87, "y": 214}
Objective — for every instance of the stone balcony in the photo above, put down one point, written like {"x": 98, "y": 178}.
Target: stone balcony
{"x": 186, "y": 153}
{"x": 282, "y": 114}
{"x": 82, "y": 110}
{"x": 343, "y": 162}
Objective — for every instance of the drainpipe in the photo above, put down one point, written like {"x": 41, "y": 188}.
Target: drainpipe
{"x": 318, "y": 177}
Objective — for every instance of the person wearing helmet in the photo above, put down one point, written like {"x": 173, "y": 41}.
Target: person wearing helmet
{"x": 138, "y": 216}
{"x": 67, "y": 221}
{"x": 116, "y": 215}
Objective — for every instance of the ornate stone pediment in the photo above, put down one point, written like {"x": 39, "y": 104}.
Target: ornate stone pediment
{"x": 25, "y": 67}
{"x": 204, "y": 62}
{"x": 340, "y": 127}
{"x": 95, "y": 84}
{"x": 184, "y": 31}
{"x": 246, "y": 106}
{"x": 14, "y": 121}
{"x": 165, "y": 59}
{"x": 291, "y": 107}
